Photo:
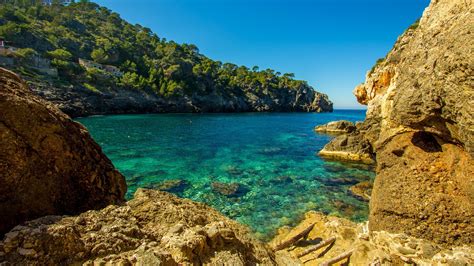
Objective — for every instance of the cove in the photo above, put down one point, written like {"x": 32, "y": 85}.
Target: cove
{"x": 260, "y": 169}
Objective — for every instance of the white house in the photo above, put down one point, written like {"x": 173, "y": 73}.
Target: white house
{"x": 62, "y": 2}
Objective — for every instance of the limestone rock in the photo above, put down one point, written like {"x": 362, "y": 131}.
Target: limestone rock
{"x": 374, "y": 248}
{"x": 77, "y": 101}
{"x": 420, "y": 125}
{"x": 154, "y": 228}
{"x": 341, "y": 126}
{"x": 424, "y": 188}
{"x": 420, "y": 122}
{"x": 425, "y": 175}
{"x": 49, "y": 164}
{"x": 349, "y": 147}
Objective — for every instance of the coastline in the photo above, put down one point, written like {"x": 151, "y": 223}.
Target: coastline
{"x": 71, "y": 198}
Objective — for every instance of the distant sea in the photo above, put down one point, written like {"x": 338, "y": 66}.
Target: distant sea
{"x": 271, "y": 156}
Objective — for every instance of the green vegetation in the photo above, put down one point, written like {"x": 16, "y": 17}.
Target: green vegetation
{"x": 147, "y": 62}
{"x": 414, "y": 25}
{"x": 377, "y": 63}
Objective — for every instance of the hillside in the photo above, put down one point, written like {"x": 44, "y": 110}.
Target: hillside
{"x": 88, "y": 60}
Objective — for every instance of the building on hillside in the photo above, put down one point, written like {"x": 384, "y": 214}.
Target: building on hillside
{"x": 89, "y": 64}
{"x": 111, "y": 70}
{"x": 2, "y": 43}
{"x": 62, "y": 2}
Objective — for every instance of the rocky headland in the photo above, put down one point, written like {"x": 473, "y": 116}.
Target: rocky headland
{"x": 420, "y": 129}
{"x": 77, "y": 101}
{"x": 90, "y": 61}
{"x": 154, "y": 228}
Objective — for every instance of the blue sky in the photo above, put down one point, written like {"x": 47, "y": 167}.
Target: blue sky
{"x": 329, "y": 43}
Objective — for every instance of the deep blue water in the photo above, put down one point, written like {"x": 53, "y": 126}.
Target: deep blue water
{"x": 272, "y": 156}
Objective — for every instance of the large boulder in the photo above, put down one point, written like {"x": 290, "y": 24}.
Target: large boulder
{"x": 49, "y": 164}
{"x": 154, "y": 228}
{"x": 424, "y": 188}
{"x": 342, "y": 126}
{"x": 349, "y": 147}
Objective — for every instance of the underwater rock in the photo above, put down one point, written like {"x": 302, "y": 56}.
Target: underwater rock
{"x": 338, "y": 181}
{"x": 234, "y": 170}
{"x": 362, "y": 190}
{"x": 172, "y": 186}
{"x": 229, "y": 189}
{"x": 282, "y": 180}
{"x": 334, "y": 168}
{"x": 347, "y": 209}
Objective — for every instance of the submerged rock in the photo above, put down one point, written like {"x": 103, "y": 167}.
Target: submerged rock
{"x": 338, "y": 181}
{"x": 341, "y": 126}
{"x": 282, "y": 180}
{"x": 234, "y": 170}
{"x": 49, "y": 163}
{"x": 229, "y": 189}
{"x": 172, "y": 186}
{"x": 362, "y": 190}
{"x": 154, "y": 228}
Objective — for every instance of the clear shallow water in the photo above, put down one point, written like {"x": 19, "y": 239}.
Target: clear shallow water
{"x": 271, "y": 155}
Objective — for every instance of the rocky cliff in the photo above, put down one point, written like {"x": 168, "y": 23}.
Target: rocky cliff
{"x": 49, "y": 164}
{"x": 420, "y": 125}
{"x": 78, "y": 101}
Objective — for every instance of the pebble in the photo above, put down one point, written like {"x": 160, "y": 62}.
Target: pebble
{"x": 26, "y": 252}
{"x": 406, "y": 250}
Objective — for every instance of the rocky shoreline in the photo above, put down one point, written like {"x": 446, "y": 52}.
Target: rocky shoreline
{"x": 77, "y": 101}
{"x": 418, "y": 130}
{"x": 366, "y": 247}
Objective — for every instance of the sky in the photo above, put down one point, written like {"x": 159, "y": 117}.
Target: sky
{"x": 329, "y": 43}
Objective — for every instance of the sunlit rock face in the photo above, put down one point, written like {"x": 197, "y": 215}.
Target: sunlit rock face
{"x": 420, "y": 128}
{"x": 425, "y": 174}
{"x": 155, "y": 228}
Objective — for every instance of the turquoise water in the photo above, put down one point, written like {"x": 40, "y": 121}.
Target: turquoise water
{"x": 270, "y": 155}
